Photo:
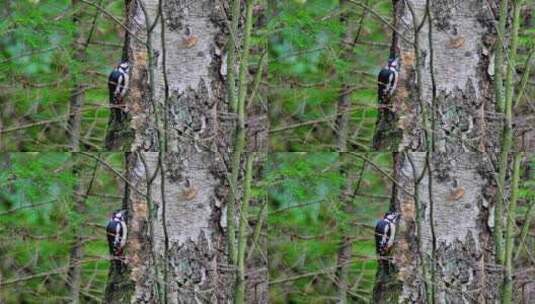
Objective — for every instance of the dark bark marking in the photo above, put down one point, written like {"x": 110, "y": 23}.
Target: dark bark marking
{"x": 443, "y": 11}
{"x": 192, "y": 265}
{"x": 457, "y": 266}
{"x": 174, "y": 15}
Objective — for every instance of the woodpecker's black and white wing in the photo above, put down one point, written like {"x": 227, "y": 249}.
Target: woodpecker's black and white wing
{"x": 382, "y": 83}
{"x": 122, "y": 240}
{"x": 117, "y": 82}
{"x": 392, "y": 81}
{"x": 391, "y": 235}
{"x": 387, "y": 82}
{"x": 113, "y": 232}
{"x": 382, "y": 233}
{"x": 116, "y": 232}
{"x": 125, "y": 81}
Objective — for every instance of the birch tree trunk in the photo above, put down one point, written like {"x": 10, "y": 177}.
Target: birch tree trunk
{"x": 184, "y": 73}
{"x": 180, "y": 133}
{"x": 445, "y": 96}
{"x": 444, "y": 105}
{"x": 444, "y": 250}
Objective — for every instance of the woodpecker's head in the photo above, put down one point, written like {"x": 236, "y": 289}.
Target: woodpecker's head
{"x": 392, "y": 216}
{"x": 119, "y": 215}
{"x": 124, "y": 66}
{"x": 392, "y": 63}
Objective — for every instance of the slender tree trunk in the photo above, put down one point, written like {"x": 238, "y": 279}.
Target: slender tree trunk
{"x": 342, "y": 119}
{"x": 74, "y": 278}
{"x": 507, "y": 287}
{"x": 239, "y": 295}
{"x": 343, "y": 104}
{"x": 78, "y": 91}
{"x": 345, "y": 249}
{"x": 77, "y": 97}
{"x": 180, "y": 133}
{"x": 343, "y": 258}
{"x": 75, "y": 117}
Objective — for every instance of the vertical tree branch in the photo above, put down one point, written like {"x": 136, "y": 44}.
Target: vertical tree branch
{"x": 345, "y": 244}
{"x": 239, "y": 136}
{"x": 341, "y": 129}
{"x": 344, "y": 102}
{"x": 76, "y": 102}
{"x": 244, "y": 63}
{"x": 498, "y": 60}
{"x": 233, "y": 100}
{"x": 507, "y": 287}
{"x": 419, "y": 219}
{"x": 420, "y": 65}
{"x": 232, "y": 49}
{"x": 261, "y": 217}
{"x": 433, "y": 259}
{"x": 431, "y": 72}
{"x": 239, "y": 289}
{"x": 74, "y": 278}
{"x": 507, "y": 133}
{"x": 77, "y": 98}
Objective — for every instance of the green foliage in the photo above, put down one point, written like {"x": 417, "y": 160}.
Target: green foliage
{"x": 307, "y": 221}
{"x": 39, "y": 223}
{"x": 310, "y": 65}
{"x": 38, "y": 70}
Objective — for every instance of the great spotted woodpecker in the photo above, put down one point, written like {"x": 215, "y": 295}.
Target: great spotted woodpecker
{"x": 385, "y": 232}
{"x": 117, "y": 232}
{"x": 117, "y": 87}
{"x": 387, "y": 80}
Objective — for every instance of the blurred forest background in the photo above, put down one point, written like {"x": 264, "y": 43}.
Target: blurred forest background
{"x": 321, "y": 50}
{"x": 320, "y": 202}
{"x": 50, "y": 51}
{"x": 49, "y": 203}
